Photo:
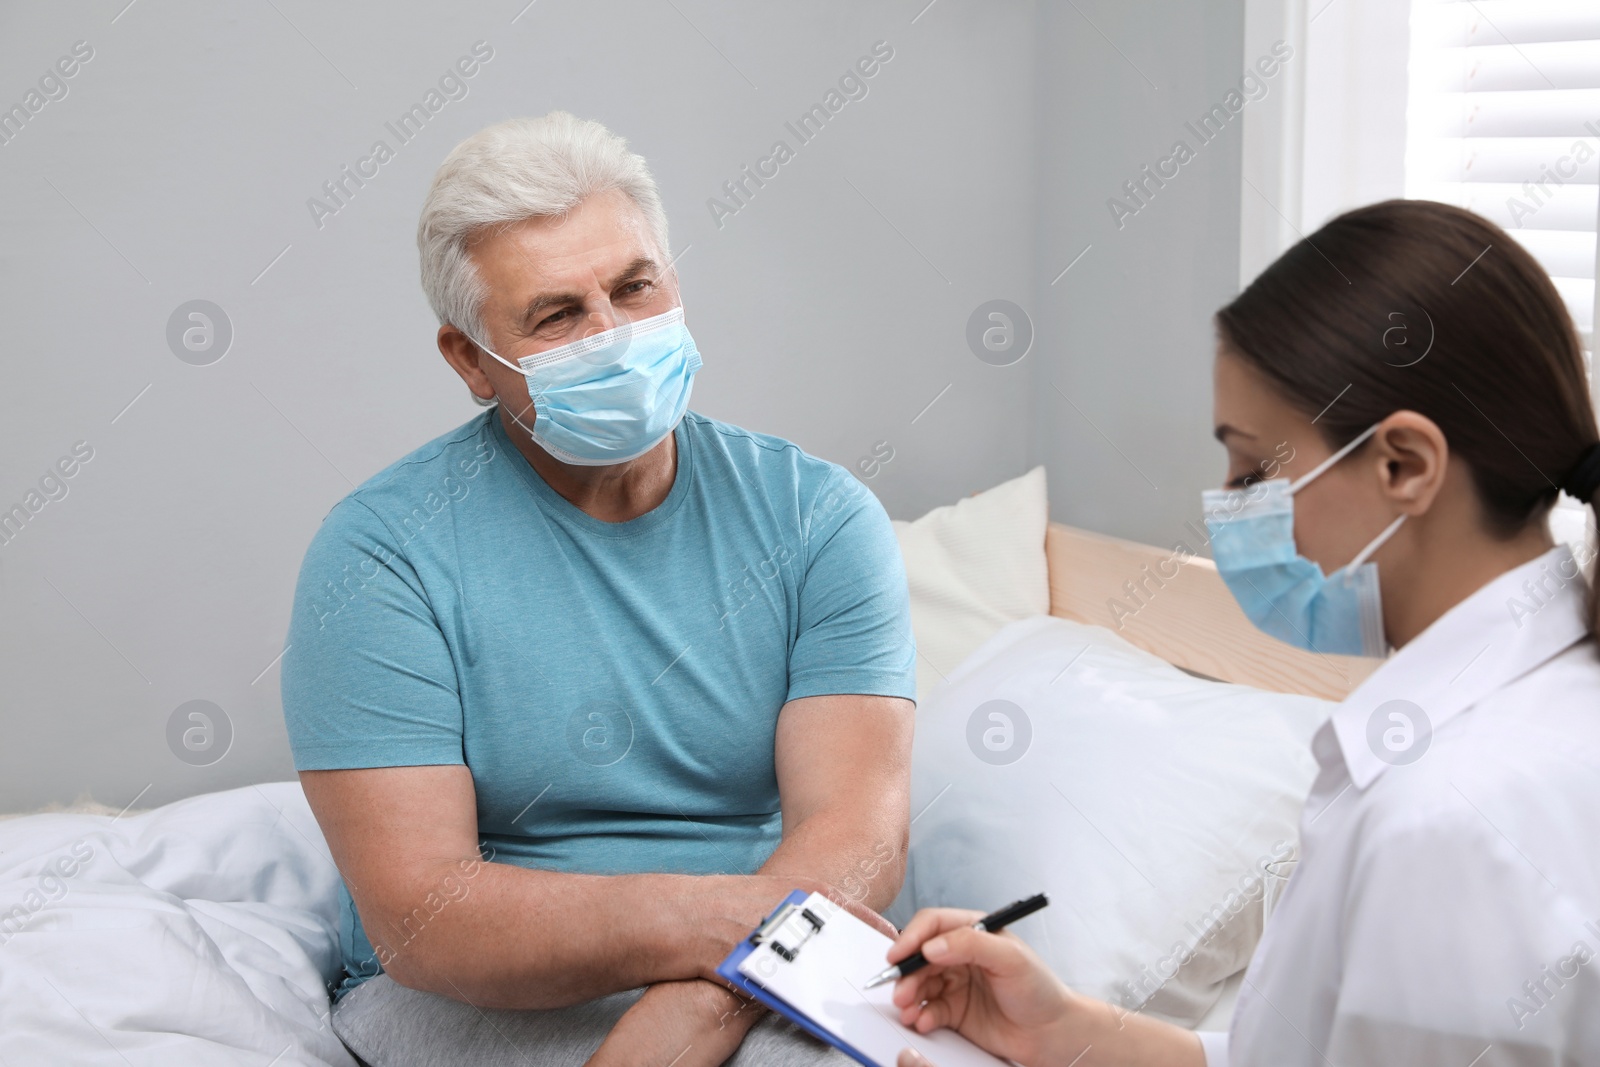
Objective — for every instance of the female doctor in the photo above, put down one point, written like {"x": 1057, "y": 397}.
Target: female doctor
{"x": 1446, "y": 908}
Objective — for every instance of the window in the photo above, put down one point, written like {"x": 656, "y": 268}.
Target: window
{"x": 1503, "y": 118}
{"x": 1493, "y": 105}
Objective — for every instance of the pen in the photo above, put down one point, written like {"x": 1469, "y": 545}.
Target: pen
{"x": 992, "y": 923}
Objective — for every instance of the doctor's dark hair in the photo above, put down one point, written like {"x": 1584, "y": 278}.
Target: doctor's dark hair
{"x": 1420, "y": 306}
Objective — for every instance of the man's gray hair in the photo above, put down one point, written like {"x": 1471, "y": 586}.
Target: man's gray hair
{"x": 515, "y": 170}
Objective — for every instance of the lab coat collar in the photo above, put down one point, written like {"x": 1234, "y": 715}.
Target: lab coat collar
{"x": 1513, "y": 624}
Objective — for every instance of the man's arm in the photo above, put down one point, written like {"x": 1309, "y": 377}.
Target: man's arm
{"x": 844, "y": 782}
{"x": 501, "y": 936}
{"x": 844, "y": 779}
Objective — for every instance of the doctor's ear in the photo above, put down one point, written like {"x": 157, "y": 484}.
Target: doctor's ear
{"x": 1409, "y": 454}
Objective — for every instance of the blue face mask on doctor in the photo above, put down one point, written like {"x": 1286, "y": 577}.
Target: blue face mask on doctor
{"x": 613, "y": 396}
{"x": 1282, "y": 592}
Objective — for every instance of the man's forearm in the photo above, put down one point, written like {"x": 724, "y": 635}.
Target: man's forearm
{"x": 844, "y": 772}
{"x": 686, "y": 1024}
{"x": 519, "y": 938}
{"x": 512, "y": 937}
{"x": 863, "y": 859}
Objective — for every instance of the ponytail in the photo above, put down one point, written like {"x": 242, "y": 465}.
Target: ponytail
{"x": 1582, "y": 483}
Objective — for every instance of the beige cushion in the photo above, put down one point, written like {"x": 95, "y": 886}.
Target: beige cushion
{"x": 973, "y": 567}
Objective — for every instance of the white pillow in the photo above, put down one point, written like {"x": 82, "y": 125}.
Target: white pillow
{"x": 973, "y": 567}
{"x": 1144, "y": 800}
{"x": 205, "y": 931}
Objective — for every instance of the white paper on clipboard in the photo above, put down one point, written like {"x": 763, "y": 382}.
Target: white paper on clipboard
{"x": 827, "y": 980}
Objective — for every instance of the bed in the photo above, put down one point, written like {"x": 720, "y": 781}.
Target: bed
{"x": 205, "y": 931}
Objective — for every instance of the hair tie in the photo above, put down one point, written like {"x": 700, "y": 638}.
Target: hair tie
{"x": 1584, "y": 478}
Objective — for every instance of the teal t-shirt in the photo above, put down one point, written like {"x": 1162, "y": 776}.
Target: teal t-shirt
{"x": 614, "y": 688}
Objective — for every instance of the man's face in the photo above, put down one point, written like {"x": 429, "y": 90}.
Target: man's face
{"x": 552, "y": 281}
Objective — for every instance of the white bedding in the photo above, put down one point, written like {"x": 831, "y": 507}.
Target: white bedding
{"x": 202, "y": 932}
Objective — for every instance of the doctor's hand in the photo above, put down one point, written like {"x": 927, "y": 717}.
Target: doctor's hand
{"x": 995, "y": 992}
{"x": 990, "y": 988}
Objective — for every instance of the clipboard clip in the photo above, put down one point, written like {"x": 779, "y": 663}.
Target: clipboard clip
{"x": 795, "y": 924}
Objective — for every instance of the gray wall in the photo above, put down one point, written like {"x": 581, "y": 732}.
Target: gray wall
{"x": 832, "y": 308}
{"x": 1122, "y": 399}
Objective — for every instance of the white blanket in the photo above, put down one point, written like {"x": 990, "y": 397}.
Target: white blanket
{"x": 203, "y": 932}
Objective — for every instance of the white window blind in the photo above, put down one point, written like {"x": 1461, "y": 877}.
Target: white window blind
{"x": 1503, "y": 118}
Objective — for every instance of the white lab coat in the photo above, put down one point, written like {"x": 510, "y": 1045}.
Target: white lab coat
{"x": 1446, "y": 907}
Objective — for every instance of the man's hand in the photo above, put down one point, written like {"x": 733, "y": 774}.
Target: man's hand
{"x": 685, "y": 1024}
{"x": 700, "y": 1022}
{"x": 721, "y": 910}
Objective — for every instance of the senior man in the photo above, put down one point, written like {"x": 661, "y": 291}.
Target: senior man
{"x": 581, "y": 689}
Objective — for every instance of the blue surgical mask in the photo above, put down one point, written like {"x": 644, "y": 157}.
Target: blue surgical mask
{"x": 610, "y": 397}
{"x": 1282, "y": 592}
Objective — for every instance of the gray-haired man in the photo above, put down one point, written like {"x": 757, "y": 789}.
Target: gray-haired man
{"x": 658, "y": 668}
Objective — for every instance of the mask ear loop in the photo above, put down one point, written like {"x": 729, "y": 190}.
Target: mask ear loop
{"x": 512, "y": 366}
{"x": 1377, "y": 543}
{"x": 506, "y": 362}
{"x": 1306, "y": 479}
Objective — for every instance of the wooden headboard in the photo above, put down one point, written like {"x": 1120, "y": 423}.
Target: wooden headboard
{"x": 1182, "y": 613}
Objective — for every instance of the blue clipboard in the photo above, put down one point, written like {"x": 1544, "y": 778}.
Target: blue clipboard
{"x": 728, "y": 970}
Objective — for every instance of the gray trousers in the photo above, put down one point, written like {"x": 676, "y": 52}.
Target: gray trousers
{"x": 387, "y": 1025}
